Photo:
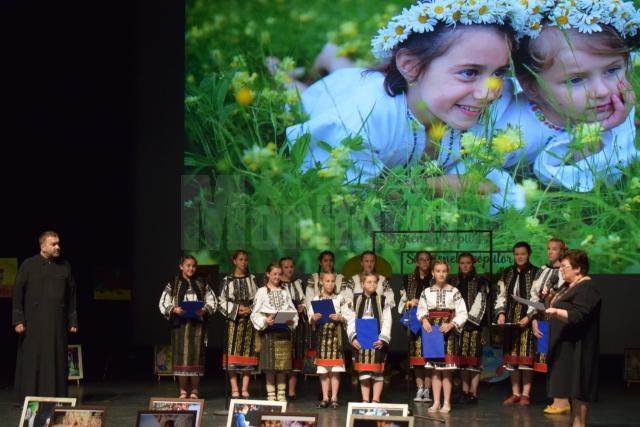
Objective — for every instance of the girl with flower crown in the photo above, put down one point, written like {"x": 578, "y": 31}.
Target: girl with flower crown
{"x": 575, "y": 110}
{"x": 442, "y": 65}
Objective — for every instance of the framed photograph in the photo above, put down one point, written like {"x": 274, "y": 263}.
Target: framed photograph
{"x": 380, "y": 421}
{"x": 377, "y": 409}
{"x": 243, "y": 412}
{"x": 631, "y": 365}
{"x": 175, "y": 404}
{"x": 8, "y": 273}
{"x": 151, "y": 418}
{"x": 162, "y": 360}
{"x": 288, "y": 419}
{"x": 74, "y": 359}
{"x": 79, "y": 416}
{"x": 37, "y": 411}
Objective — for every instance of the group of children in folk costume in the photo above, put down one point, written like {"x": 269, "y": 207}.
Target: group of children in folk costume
{"x": 456, "y": 308}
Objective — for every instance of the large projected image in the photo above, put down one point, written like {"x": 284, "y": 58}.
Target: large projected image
{"x": 279, "y": 166}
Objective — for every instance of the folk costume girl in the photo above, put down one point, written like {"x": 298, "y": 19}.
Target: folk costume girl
{"x": 329, "y": 340}
{"x": 475, "y": 293}
{"x": 441, "y": 306}
{"x": 370, "y": 362}
{"x": 412, "y": 287}
{"x": 326, "y": 263}
{"x": 354, "y": 287}
{"x": 548, "y": 283}
{"x": 301, "y": 339}
{"x": 235, "y": 302}
{"x": 188, "y": 336}
{"x": 414, "y": 106}
{"x": 577, "y": 105}
{"x": 519, "y": 342}
{"x": 275, "y": 342}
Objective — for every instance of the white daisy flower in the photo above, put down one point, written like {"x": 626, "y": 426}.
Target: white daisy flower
{"x": 421, "y": 18}
{"x": 439, "y": 8}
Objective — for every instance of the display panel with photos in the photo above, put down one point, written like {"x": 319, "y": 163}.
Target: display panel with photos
{"x": 79, "y": 417}
{"x": 249, "y": 183}
{"x": 38, "y": 410}
{"x": 288, "y": 419}
{"x": 176, "y": 404}
{"x": 380, "y": 421}
{"x": 151, "y": 418}
{"x": 244, "y": 412}
{"x": 376, "y": 409}
{"x": 74, "y": 362}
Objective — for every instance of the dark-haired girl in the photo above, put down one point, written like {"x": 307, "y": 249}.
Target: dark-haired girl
{"x": 275, "y": 342}
{"x": 414, "y": 105}
{"x": 188, "y": 336}
{"x": 235, "y": 302}
{"x": 412, "y": 287}
{"x": 301, "y": 335}
{"x": 519, "y": 341}
{"x": 475, "y": 292}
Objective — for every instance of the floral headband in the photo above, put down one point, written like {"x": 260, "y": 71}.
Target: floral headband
{"x": 424, "y": 15}
{"x": 526, "y": 17}
{"x": 587, "y": 16}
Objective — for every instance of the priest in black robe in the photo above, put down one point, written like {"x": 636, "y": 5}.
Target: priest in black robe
{"x": 44, "y": 311}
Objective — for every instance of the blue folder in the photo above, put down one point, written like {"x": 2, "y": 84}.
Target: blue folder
{"x": 433, "y": 343}
{"x": 190, "y": 309}
{"x": 367, "y": 332}
{"x": 324, "y": 307}
{"x": 410, "y": 319}
{"x": 543, "y": 343}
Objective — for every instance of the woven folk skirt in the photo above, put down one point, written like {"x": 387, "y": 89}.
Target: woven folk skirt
{"x": 275, "y": 351}
{"x": 243, "y": 344}
{"x": 329, "y": 353}
{"x": 300, "y": 342}
{"x": 415, "y": 350}
{"x": 470, "y": 357}
{"x": 188, "y": 348}
{"x": 519, "y": 344}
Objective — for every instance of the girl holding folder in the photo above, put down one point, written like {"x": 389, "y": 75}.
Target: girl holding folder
{"x": 369, "y": 362}
{"x": 275, "y": 338}
{"x": 329, "y": 345}
{"x": 188, "y": 336}
{"x": 442, "y": 309}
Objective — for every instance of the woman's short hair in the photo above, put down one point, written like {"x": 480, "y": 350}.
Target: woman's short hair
{"x": 577, "y": 259}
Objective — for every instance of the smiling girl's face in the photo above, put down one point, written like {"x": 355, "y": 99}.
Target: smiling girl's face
{"x": 453, "y": 88}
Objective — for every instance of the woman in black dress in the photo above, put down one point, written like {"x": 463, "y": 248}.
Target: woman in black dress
{"x": 574, "y": 337}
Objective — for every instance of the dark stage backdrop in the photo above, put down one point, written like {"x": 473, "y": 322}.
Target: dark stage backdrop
{"x": 92, "y": 146}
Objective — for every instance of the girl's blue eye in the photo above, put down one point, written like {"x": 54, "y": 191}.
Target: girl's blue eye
{"x": 576, "y": 80}
{"x": 613, "y": 70}
{"x": 500, "y": 73}
{"x": 468, "y": 74}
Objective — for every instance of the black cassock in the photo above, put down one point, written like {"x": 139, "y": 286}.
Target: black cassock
{"x": 44, "y": 300}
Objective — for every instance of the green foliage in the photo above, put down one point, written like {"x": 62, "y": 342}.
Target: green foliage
{"x": 236, "y": 114}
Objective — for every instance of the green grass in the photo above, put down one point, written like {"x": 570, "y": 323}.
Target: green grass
{"x": 257, "y": 198}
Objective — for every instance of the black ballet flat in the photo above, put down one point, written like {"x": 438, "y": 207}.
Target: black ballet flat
{"x": 291, "y": 397}
{"x": 323, "y": 404}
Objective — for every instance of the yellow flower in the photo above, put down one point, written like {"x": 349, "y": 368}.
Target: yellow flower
{"x": 507, "y": 141}
{"x": 472, "y": 142}
{"x": 244, "y": 96}
{"x": 436, "y": 131}
{"x": 493, "y": 83}
{"x": 588, "y": 135}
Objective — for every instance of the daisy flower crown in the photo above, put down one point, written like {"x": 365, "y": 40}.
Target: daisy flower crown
{"x": 423, "y": 16}
{"x": 587, "y": 16}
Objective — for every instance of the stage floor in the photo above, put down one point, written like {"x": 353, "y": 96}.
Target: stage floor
{"x": 618, "y": 406}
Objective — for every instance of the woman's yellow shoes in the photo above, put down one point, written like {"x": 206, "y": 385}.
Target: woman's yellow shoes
{"x": 554, "y": 410}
